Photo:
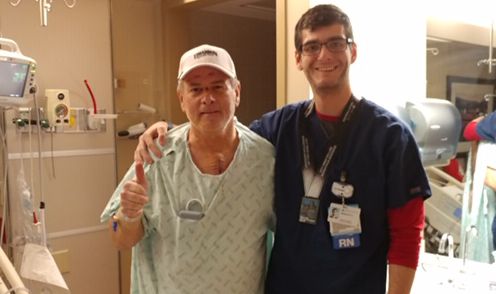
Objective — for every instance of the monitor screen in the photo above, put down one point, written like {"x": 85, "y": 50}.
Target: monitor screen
{"x": 13, "y": 78}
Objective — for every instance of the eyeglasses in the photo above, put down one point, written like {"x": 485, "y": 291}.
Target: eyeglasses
{"x": 334, "y": 45}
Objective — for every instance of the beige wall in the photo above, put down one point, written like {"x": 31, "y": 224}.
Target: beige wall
{"x": 137, "y": 55}
{"x": 465, "y": 43}
{"x": 291, "y": 83}
{"x": 79, "y": 178}
{"x": 296, "y": 85}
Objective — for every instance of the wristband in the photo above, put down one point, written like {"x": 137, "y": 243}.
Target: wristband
{"x": 121, "y": 216}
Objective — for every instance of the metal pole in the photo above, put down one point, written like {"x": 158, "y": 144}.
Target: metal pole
{"x": 491, "y": 48}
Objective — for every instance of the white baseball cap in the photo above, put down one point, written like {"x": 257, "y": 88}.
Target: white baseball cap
{"x": 206, "y": 55}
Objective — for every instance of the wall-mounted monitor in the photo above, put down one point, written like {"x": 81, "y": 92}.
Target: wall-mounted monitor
{"x": 17, "y": 75}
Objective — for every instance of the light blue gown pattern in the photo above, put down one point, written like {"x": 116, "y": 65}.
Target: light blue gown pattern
{"x": 479, "y": 205}
{"x": 225, "y": 251}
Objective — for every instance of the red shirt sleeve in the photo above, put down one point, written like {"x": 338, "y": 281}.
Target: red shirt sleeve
{"x": 405, "y": 231}
{"x": 453, "y": 169}
{"x": 470, "y": 131}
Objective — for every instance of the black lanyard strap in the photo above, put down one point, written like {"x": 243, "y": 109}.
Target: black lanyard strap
{"x": 305, "y": 125}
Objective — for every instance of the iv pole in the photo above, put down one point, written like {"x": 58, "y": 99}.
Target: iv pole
{"x": 490, "y": 61}
{"x": 45, "y": 7}
{"x": 491, "y": 47}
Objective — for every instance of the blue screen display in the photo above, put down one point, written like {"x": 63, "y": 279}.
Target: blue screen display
{"x": 13, "y": 77}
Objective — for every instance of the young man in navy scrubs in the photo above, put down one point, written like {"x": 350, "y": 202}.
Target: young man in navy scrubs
{"x": 349, "y": 181}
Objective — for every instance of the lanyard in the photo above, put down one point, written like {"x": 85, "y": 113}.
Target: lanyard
{"x": 313, "y": 182}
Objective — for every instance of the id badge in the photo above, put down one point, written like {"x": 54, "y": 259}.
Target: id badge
{"x": 309, "y": 210}
{"x": 342, "y": 190}
{"x": 343, "y": 219}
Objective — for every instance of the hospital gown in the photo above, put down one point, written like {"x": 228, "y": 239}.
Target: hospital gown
{"x": 224, "y": 252}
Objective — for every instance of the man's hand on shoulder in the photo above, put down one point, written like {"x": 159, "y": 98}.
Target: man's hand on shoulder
{"x": 147, "y": 145}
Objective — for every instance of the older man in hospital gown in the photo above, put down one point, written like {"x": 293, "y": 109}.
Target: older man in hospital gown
{"x": 198, "y": 217}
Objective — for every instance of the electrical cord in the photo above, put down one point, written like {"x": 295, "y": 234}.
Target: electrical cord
{"x": 31, "y": 161}
{"x": 42, "y": 198}
{"x": 40, "y": 174}
{"x": 5, "y": 172}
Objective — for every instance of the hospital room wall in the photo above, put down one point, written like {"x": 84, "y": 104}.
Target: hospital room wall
{"x": 465, "y": 43}
{"x": 78, "y": 180}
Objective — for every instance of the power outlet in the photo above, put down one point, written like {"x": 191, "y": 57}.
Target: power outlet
{"x": 24, "y": 113}
{"x": 27, "y": 116}
{"x": 58, "y": 106}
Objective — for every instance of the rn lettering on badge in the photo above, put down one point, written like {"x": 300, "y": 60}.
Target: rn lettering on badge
{"x": 346, "y": 241}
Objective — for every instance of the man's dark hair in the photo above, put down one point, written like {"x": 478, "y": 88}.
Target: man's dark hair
{"x": 320, "y": 16}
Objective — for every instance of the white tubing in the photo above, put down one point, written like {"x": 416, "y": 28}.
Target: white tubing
{"x": 11, "y": 274}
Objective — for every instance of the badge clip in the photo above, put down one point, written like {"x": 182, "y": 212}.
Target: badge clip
{"x": 342, "y": 189}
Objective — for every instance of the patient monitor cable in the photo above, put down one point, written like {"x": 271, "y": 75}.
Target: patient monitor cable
{"x": 40, "y": 161}
{"x": 4, "y": 183}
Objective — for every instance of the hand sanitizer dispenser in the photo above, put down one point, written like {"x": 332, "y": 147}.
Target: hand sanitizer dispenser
{"x": 436, "y": 126}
